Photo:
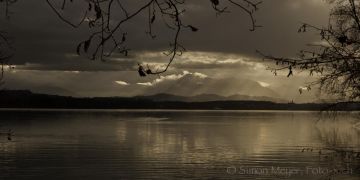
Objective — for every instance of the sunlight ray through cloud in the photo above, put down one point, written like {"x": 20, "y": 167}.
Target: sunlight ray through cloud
{"x": 264, "y": 84}
{"x": 122, "y": 83}
{"x": 172, "y": 77}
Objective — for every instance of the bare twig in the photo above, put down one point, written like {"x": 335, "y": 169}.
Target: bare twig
{"x": 336, "y": 60}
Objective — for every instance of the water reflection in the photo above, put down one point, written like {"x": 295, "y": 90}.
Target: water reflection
{"x": 170, "y": 144}
{"x": 339, "y": 131}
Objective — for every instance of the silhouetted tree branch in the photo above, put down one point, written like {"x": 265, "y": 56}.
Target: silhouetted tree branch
{"x": 336, "y": 57}
{"x": 6, "y": 49}
{"x": 6, "y": 52}
{"x": 106, "y": 30}
{"x": 106, "y": 34}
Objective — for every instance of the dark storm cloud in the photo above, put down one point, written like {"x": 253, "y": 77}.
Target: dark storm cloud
{"x": 223, "y": 50}
{"x": 71, "y": 62}
{"x": 41, "y": 38}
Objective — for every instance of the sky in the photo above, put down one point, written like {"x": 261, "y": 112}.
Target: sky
{"x": 220, "y": 57}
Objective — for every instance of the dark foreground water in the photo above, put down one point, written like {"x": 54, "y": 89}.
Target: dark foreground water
{"x": 178, "y": 145}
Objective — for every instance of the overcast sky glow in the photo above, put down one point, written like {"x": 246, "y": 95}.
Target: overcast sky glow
{"x": 221, "y": 56}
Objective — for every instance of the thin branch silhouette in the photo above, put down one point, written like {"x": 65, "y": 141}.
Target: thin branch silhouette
{"x": 6, "y": 45}
{"x": 103, "y": 41}
{"x": 335, "y": 59}
{"x": 104, "y": 27}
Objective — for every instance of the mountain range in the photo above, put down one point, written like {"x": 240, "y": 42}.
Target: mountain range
{"x": 208, "y": 97}
{"x": 185, "y": 84}
{"x": 27, "y": 99}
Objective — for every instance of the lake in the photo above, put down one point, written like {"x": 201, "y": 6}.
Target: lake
{"x": 156, "y": 144}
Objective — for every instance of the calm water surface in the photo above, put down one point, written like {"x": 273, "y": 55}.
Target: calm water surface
{"x": 176, "y": 145}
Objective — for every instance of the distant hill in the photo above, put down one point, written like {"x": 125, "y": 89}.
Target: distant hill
{"x": 208, "y": 97}
{"x": 27, "y": 99}
{"x": 192, "y": 85}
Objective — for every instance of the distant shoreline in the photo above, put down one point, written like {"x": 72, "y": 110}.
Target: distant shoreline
{"x": 154, "y": 110}
{"x": 28, "y": 100}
